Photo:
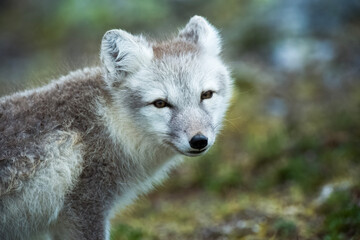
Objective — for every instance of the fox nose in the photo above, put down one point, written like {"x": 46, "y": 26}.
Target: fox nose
{"x": 198, "y": 141}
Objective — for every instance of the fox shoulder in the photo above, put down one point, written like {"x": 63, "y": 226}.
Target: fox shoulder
{"x": 36, "y": 125}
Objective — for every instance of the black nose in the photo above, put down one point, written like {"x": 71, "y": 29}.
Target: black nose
{"x": 198, "y": 141}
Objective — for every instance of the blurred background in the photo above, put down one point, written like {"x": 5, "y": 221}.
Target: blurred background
{"x": 287, "y": 164}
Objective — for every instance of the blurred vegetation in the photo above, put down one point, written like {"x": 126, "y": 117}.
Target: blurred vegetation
{"x": 287, "y": 163}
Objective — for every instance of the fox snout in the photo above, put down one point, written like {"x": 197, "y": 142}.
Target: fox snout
{"x": 199, "y": 141}
{"x": 192, "y": 131}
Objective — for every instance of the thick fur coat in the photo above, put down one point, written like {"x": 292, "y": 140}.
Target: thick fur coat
{"x": 90, "y": 142}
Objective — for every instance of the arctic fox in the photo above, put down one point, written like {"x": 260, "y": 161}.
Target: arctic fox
{"x": 75, "y": 150}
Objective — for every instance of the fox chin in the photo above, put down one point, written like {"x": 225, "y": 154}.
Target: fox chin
{"x": 78, "y": 149}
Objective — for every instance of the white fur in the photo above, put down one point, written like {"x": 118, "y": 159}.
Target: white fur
{"x": 160, "y": 81}
{"x": 155, "y": 159}
{"x": 132, "y": 53}
{"x": 46, "y": 190}
{"x": 203, "y": 33}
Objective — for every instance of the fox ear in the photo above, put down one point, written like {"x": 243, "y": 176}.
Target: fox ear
{"x": 123, "y": 54}
{"x": 199, "y": 31}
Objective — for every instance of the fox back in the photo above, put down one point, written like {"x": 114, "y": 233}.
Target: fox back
{"x": 74, "y": 151}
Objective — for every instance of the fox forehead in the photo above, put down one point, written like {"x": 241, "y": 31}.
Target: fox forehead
{"x": 173, "y": 48}
{"x": 179, "y": 77}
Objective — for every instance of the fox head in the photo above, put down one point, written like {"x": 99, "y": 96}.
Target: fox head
{"x": 176, "y": 91}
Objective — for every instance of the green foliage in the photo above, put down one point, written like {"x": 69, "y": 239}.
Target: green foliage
{"x": 300, "y": 171}
{"x": 124, "y": 231}
{"x": 209, "y": 175}
{"x": 342, "y": 215}
{"x": 284, "y": 229}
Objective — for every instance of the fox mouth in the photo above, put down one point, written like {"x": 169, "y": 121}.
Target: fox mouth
{"x": 191, "y": 153}
{"x": 197, "y": 152}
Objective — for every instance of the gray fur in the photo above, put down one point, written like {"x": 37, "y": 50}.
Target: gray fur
{"x": 73, "y": 151}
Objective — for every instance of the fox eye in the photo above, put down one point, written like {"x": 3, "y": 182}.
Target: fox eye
{"x": 206, "y": 95}
{"x": 160, "y": 103}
